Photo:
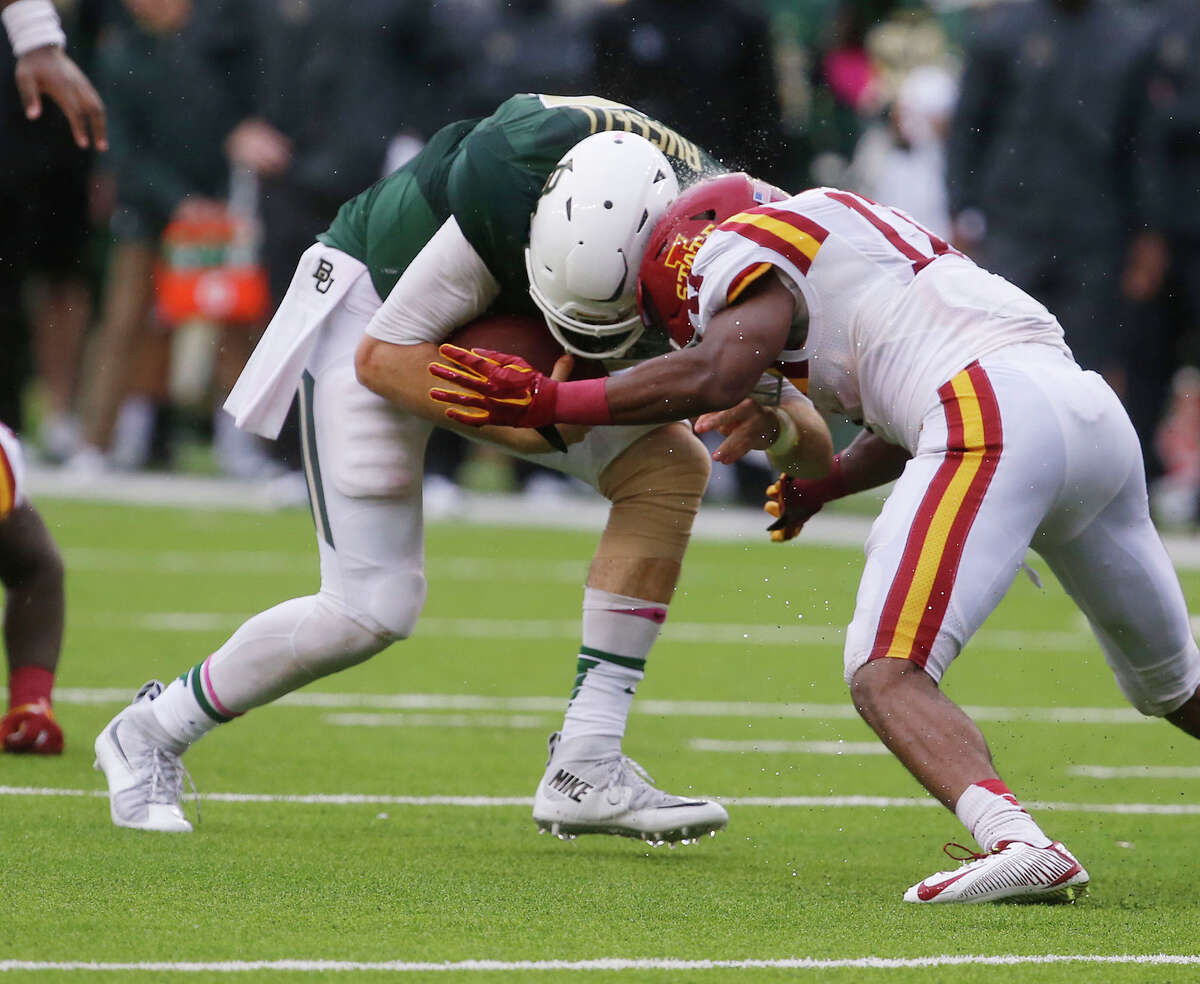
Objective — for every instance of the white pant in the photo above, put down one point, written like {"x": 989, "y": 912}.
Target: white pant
{"x": 1025, "y": 449}
{"x": 364, "y": 458}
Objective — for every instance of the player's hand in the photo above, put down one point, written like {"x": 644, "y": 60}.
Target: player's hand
{"x": 793, "y": 502}
{"x": 257, "y": 145}
{"x": 496, "y": 389}
{"x": 49, "y": 71}
{"x": 745, "y": 427}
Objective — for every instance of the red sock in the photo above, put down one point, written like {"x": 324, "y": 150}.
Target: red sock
{"x": 28, "y": 685}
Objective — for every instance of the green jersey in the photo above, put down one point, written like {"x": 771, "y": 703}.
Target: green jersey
{"x": 488, "y": 174}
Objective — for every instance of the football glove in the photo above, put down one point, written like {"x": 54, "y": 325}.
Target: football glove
{"x": 794, "y": 501}
{"x": 31, "y": 728}
{"x": 501, "y": 389}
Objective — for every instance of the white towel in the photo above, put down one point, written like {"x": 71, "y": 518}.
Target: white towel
{"x": 260, "y": 399}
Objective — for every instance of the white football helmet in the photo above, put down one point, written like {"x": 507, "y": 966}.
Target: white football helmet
{"x": 587, "y": 236}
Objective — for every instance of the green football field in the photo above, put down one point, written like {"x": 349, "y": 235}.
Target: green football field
{"x": 377, "y": 822}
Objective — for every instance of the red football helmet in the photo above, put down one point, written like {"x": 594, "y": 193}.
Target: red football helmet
{"x": 662, "y": 291}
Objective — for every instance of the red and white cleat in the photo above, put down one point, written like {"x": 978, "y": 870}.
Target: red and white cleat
{"x": 1014, "y": 871}
{"x": 31, "y": 729}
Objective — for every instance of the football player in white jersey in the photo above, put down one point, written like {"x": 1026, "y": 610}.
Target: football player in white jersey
{"x": 32, "y": 574}
{"x": 972, "y": 403}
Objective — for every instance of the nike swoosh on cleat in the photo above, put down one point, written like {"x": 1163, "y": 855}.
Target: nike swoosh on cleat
{"x": 676, "y": 806}
{"x": 112, "y": 734}
{"x": 927, "y": 892}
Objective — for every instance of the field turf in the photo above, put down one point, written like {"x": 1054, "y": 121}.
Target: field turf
{"x": 322, "y": 838}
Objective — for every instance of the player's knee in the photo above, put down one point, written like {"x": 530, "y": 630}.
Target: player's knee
{"x": 389, "y": 604}
{"x": 1158, "y": 689}
{"x": 29, "y": 557}
{"x": 655, "y": 487}
{"x": 877, "y": 683}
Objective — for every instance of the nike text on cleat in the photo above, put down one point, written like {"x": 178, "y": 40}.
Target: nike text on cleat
{"x": 586, "y": 791}
{"x": 145, "y": 775}
{"x": 31, "y": 729}
{"x": 1014, "y": 871}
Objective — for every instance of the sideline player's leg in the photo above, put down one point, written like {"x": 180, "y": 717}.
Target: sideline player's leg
{"x": 590, "y": 786}
{"x": 31, "y": 571}
{"x": 940, "y": 557}
{"x": 362, "y": 459}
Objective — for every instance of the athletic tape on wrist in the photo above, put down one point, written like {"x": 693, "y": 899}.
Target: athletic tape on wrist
{"x": 788, "y": 437}
{"x": 32, "y": 24}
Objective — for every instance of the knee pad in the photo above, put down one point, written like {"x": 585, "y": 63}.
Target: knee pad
{"x": 655, "y": 486}
{"x": 388, "y": 605}
{"x": 1157, "y": 690}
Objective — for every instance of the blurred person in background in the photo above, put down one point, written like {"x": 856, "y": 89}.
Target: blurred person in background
{"x": 31, "y": 572}
{"x": 30, "y": 566}
{"x": 1056, "y": 176}
{"x": 167, "y": 117}
{"x": 1175, "y": 94}
{"x": 44, "y": 198}
{"x": 646, "y": 56}
{"x": 321, "y": 89}
{"x": 501, "y": 46}
{"x": 902, "y": 159}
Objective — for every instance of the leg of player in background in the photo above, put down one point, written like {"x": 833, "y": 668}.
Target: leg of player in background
{"x": 32, "y": 574}
{"x": 655, "y": 486}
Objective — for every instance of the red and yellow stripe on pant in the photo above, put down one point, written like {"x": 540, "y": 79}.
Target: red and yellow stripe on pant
{"x": 920, "y": 591}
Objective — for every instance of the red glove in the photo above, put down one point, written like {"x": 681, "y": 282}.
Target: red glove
{"x": 507, "y": 390}
{"x": 504, "y": 389}
{"x": 31, "y": 728}
{"x": 794, "y": 501}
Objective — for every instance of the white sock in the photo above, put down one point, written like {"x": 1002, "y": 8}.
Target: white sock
{"x": 179, "y": 710}
{"x": 618, "y": 632}
{"x": 271, "y": 654}
{"x": 990, "y": 811}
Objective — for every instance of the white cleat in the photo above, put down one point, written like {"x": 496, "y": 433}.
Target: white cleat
{"x": 145, "y": 776}
{"x": 1014, "y": 871}
{"x": 586, "y": 792}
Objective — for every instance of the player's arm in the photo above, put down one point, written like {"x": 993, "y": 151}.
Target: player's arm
{"x": 716, "y": 374}
{"x": 44, "y": 68}
{"x": 445, "y": 286}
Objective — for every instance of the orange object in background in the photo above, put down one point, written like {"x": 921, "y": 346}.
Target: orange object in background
{"x": 209, "y": 271}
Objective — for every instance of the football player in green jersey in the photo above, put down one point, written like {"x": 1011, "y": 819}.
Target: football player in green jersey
{"x": 547, "y": 204}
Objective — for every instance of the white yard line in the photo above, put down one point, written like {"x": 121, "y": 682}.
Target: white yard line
{"x": 657, "y": 708}
{"x": 778, "y": 802}
{"x": 715, "y": 522}
{"x": 798, "y": 747}
{"x": 435, "y": 721}
{"x": 1135, "y": 771}
{"x": 692, "y": 633}
{"x": 608, "y": 964}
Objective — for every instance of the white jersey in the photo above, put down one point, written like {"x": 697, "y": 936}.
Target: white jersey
{"x": 12, "y": 472}
{"x": 893, "y": 311}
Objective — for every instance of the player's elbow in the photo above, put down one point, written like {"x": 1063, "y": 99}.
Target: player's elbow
{"x": 369, "y": 363}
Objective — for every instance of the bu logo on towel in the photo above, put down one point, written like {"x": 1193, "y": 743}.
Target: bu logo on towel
{"x": 322, "y": 276}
